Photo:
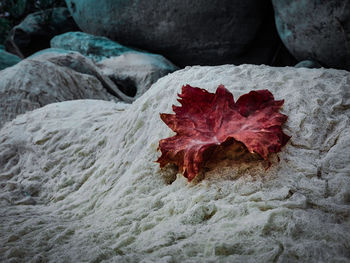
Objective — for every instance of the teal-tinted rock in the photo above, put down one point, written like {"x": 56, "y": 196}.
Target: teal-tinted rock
{"x": 94, "y": 47}
{"x": 7, "y": 59}
{"x": 185, "y": 32}
{"x": 316, "y": 30}
{"x": 308, "y": 64}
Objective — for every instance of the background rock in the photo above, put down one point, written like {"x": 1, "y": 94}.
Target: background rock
{"x": 36, "y": 30}
{"x": 13, "y": 12}
{"x": 316, "y": 30}
{"x": 89, "y": 168}
{"x": 186, "y": 32}
{"x": 32, "y": 84}
{"x": 79, "y": 63}
{"x": 308, "y": 64}
{"x": 135, "y": 72}
{"x": 7, "y": 59}
{"x": 93, "y": 47}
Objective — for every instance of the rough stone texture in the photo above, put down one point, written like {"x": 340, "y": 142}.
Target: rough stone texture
{"x": 316, "y": 30}
{"x": 81, "y": 64}
{"x": 186, "y": 32}
{"x": 79, "y": 182}
{"x": 94, "y": 47}
{"x": 36, "y": 30}
{"x": 135, "y": 72}
{"x": 32, "y": 84}
{"x": 7, "y": 59}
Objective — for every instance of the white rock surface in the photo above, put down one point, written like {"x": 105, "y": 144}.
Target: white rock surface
{"x": 31, "y": 84}
{"x": 79, "y": 182}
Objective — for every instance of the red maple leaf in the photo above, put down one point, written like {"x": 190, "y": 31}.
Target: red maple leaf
{"x": 207, "y": 120}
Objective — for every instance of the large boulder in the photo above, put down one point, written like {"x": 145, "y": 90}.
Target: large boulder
{"x": 79, "y": 182}
{"x": 316, "y": 30}
{"x": 94, "y": 47}
{"x": 135, "y": 72}
{"x": 186, "y": 32}
{"x": 36, "y": 30}
{"x": 7, "y": 59}
{"x": 32, "y": 84}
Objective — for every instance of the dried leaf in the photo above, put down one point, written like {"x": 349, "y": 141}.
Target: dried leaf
{"x": 206, "y": 120}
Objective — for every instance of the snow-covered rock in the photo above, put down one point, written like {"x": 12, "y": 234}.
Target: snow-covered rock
{"x": 136, "y": 71}
{"x": 79, "y": 182}
{"x": 31, "y": 84}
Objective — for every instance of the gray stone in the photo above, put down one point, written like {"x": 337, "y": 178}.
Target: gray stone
{"x": 316, "y": 30}
{"x": 36, "y": 30}
{"x": 7, "y": 59}
{"x": 32, "y": 84}
{"x": 77, "y": 62}
{"x": 135, "y": 72}
{"x": 93, "y": 47}
{"x": 308, "y": 64}
{"x": 186, "y": 32}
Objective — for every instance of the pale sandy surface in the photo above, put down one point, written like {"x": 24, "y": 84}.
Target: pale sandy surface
{"x": 79, "y": 182}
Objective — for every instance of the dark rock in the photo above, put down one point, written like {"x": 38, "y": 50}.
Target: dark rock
{"x": 316, "y": 30}
{"x": 135, "y": 72}
{"x": 93, "y": 47}
{"x": 186, "y": 32}
{"x": 7, "y": 59}
{"x": 308, "y": 64}
{"x": 36, "y": 30}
